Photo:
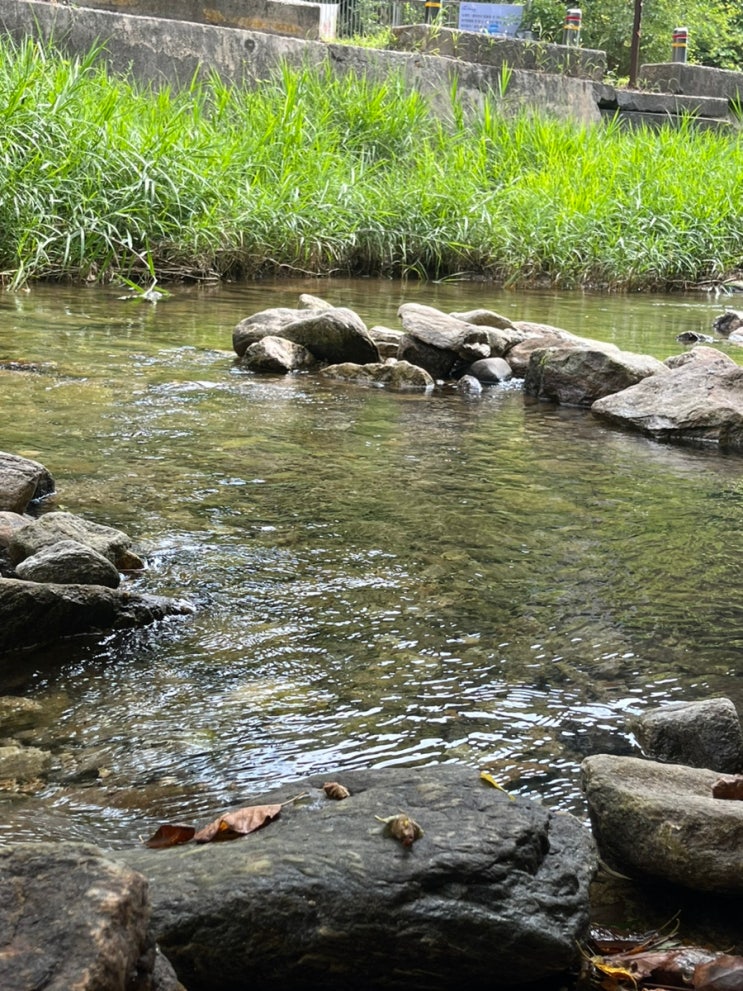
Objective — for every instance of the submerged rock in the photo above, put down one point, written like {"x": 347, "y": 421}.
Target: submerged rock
{"x": 661, "y": 821}
{"x": 326, "y": 897}
{"x": 50, "y": 529}
{"x": 396, "y": 375}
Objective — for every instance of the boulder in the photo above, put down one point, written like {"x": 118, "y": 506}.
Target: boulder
{"x": 398, "y": 375}
{"x": 276, "y": 354}
{"x": 435, "y": 329}
{"x": 387, "y": 340}
{"x": 543, "y": 335}
{"x": 575, "y": 375}
{"x": 468, "y": 385}
{"x": 439, "y": 363}
{"x": 55, "y": 527}
{"x": 8, "y": 523}
{"x": 699, "y": 734}
{"x": 68, "y": 562}
{"x": 728, "y": 322}
{"x": 22, "y": 481}
{"x": 325, "y": 897}
{"x": 700, "y": 401}
{"x": 69, "y": 918}
{"x": 490, "y": 371}
{"x": 309, "y": 302}
{"x": 661, "y": 821}
{"x": 333, "y": 335}
{"x": 21, "y": 765}
{"x": 32, "y": 613}
{"x": 484, "y": 318}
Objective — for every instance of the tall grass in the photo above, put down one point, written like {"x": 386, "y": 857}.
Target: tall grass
{"x": 318, "y": 173}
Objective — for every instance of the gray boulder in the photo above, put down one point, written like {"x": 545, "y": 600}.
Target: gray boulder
{"x": 387, "y": 340}
{"x": 400, "y": 376}
{"x": 490, "y": 371}
{"x": 52, "y": 528}
{"x": 333, "y": 335}
{"x": 700, "y": 401}
{"x": 69, "y": 918}
{"x": 484, "y": 318}
{"x": 699, "y": 734}
{"x": 454, "y": 339}
{"x": 68, "y": 562}
{"x": 276, "y": 354}
{"x": 324, "y": 897}
{"x": 32, "y": 613}
{"x": 543, "y": 335}
{"x": 8, "y": 523}
{"x": 728, "y": 323}
{"x": 22, "y": 481}
{"x": 661, "y": 821}
{"x": 575, "y": 375}
{"x": 468, "y": 385}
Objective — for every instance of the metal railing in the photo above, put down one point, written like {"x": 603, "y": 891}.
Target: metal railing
{"x": 363, "y": 17}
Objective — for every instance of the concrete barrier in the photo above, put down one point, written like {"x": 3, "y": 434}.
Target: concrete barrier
{"x": 695, "y": 80}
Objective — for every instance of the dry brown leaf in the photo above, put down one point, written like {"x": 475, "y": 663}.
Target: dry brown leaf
{"x": 401, "y": 827}
{"x": 724, "y": 973}
{"x": 232, "y": 825}
{"x": 170, "y": 835}
{"x": 334, "y": 790}
{"x": 670, "y": 967}
{"x": 730, "y": 787}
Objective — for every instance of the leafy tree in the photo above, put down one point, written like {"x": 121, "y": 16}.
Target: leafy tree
{"x": 715, "y": 29}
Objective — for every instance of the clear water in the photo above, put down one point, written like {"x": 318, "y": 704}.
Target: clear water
{"x": 380, "y": 579}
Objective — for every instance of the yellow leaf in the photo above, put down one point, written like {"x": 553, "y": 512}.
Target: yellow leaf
{"x": 487, "y": 776}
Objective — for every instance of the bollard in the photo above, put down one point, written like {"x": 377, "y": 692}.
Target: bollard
{"x": 571, "y": 30}
{"x": 433, "y": 9}
{"x": 680, "y": 41}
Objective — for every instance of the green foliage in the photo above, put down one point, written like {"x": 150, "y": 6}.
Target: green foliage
{"x": 715, "y": 29}
{"x": 320, "y": 173}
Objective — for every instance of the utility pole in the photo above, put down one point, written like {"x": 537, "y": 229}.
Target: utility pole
{"x": 634, "y": 52}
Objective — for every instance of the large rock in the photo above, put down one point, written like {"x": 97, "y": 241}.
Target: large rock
{"x": 495, "y": 892}
{"x": 575, "y": 375}
{"x": 52, "y": 528}
{"x": 700, "y": 401}
{"x": 660, "y": 820}
{"x": 70, "y": 919}
{"x": 484, "y": 318}
{"x": 69, "y": 562}
{"x": 333, "y": 335}
{"x": 543, "y": 335}
{"x": 276, "y": 354}
{"x": 699, "y": 734}
{"x": 453, "y": 338}
{"x": 32, "y": 614}
{"x": 21, "y": 482}
{"x": 399, "y": 376}
{"x": 490, "y": 371}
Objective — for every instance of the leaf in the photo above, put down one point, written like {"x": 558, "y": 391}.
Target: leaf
{"x": 487, "y": 776}
{"x": 170, "y": 835}
{"x": 337, "y": 791}
{"x": 724, "y": 973}
{"x": 239, "y": 823}
{"x": 401, "y": 827}
{"x": 729, "y": 787}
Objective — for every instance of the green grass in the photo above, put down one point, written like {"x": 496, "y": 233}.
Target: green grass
{"x": 313, "y": 173}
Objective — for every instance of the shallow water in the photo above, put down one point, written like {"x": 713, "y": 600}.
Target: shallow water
{"x": 380, "y": 579}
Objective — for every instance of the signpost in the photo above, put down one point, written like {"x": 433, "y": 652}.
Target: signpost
{"x": 490, "y": 18}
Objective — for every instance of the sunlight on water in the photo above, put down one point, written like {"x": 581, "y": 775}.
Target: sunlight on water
{"x": 380, "y": 579}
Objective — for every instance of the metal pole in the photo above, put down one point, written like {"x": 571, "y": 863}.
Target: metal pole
{"x": 571, "y": 28}
{"x": 680, "y": 42}
{"x": 433, "y": 9}
{"x": 634, "y": 54}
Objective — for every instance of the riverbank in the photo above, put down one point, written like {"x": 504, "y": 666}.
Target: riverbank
{"x": 314, "y": 174}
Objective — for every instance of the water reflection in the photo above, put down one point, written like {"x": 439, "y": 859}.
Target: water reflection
{"x": 380, "y": 579}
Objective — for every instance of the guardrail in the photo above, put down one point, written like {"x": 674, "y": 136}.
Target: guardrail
{"x": 364, "y": 17}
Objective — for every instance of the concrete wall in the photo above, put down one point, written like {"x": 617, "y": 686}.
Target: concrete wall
{"x": 161, "y": 51}
{"x": 297, "y": 20}
{"x": 699, "y": 80}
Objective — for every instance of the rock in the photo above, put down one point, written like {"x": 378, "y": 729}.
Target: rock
{"x": 700, "y": 401}
{"x": 275, "y": 354}
{"x": 699, "y": 734}
{"x": 22, "y": 481}
{"x": 333, "y": 335}
{"x": 8, "y": 523}
{"x": 32, "y": 614}
{"x": 68, "y": 562}
{"x": 727, "y": 322}
{"x": 490, "y": 371}
{"x": 387, "y": 340}
{"x": 69, "y": 918}
{"x": 692, "y": 337}
{"x": 574, "y": 375}
{"x": 309, "y": 302}
{"x": 55, "y": 527}
{"x": 661, "y": 821}
{"x": 323, "y": 898}
{"x": 17, "y": 713}
{"x": 398, "y": 375}
{"x": 543, "y": 335}
{"x": 468, "y": 385}
{"x": 436, "y": 362}
{"x": 484, "y": 318}
{"x": 21, "y": 765}
{"x": 435, "y": 329}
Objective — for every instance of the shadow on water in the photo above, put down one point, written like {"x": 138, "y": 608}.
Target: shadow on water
{"x": 380, "y": 579}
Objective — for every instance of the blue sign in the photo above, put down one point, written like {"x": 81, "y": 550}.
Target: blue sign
{"x": 490, "y": 18}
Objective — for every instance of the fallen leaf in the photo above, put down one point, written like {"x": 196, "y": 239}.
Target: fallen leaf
{"x": 487, "y": 776}
{"x": 724, "y": 973}
{"x": 337, "y": 791}
{"x": 239, "y": 823}
{"x": 401, "y": 827}
{"x": 730, "y": 787}
{"x": 170, "y": 835}
{"x": 669, "y": 967}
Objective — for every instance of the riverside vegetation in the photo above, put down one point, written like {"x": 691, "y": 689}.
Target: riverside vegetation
{"x": 316, "y": 174}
